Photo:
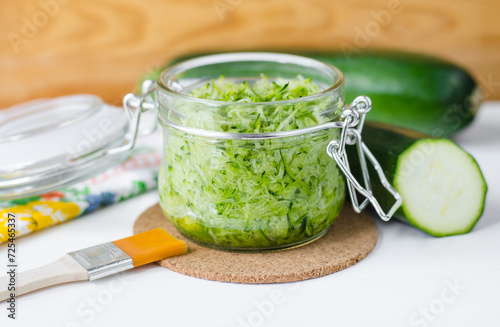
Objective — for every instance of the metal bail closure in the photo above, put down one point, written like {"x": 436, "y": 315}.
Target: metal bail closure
{"x": 134, "y": 106}
{"x": 353, "y": 120}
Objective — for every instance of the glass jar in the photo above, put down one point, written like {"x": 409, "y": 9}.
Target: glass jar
{"x": 253, "y": 176}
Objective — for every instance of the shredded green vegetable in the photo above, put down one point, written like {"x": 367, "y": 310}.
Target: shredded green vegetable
{"x": 262, "y": 90}
{"x": 252, "y": 194}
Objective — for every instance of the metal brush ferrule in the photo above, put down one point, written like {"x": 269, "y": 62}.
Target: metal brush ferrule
{"x": 102, "y": 260}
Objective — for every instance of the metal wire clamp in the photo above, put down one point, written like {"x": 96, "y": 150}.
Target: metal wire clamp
{"x": 353, "y": 118}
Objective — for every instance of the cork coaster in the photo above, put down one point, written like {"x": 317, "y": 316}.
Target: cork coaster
{"x": 350, "y": 239}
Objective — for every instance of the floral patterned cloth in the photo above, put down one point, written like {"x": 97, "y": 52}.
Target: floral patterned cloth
{"x": 135, "y": 176}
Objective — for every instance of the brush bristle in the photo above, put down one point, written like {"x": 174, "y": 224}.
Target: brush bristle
{"x": 151, "y": 246}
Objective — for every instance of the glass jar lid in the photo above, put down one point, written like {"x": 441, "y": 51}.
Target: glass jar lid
{"x": 51, "y": 143}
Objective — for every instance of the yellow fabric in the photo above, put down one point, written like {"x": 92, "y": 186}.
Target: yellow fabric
{"x": 37, "y": 215}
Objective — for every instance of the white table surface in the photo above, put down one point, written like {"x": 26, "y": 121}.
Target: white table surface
{"x": 406, "y": 281}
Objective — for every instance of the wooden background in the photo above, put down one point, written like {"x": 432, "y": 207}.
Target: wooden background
{"x": 57, "y": 47}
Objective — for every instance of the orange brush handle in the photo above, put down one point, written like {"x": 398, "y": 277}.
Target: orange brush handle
{"x": 151, "y": 246}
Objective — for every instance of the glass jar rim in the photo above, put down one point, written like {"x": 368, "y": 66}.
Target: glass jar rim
{"x": 284, "y": 58}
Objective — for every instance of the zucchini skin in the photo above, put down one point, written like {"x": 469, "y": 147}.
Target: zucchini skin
{"x": 387, "y": 144}
{"x": 414, "y": 91}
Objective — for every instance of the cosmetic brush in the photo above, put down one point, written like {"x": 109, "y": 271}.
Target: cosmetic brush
{"x": 95, "y": 262}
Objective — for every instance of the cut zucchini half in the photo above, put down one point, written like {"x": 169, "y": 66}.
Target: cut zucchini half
{"x": 442, "y": 187}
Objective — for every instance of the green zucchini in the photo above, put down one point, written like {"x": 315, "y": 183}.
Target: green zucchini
{"x": 413, "y": 91}
{"x": 442, "y": 187}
